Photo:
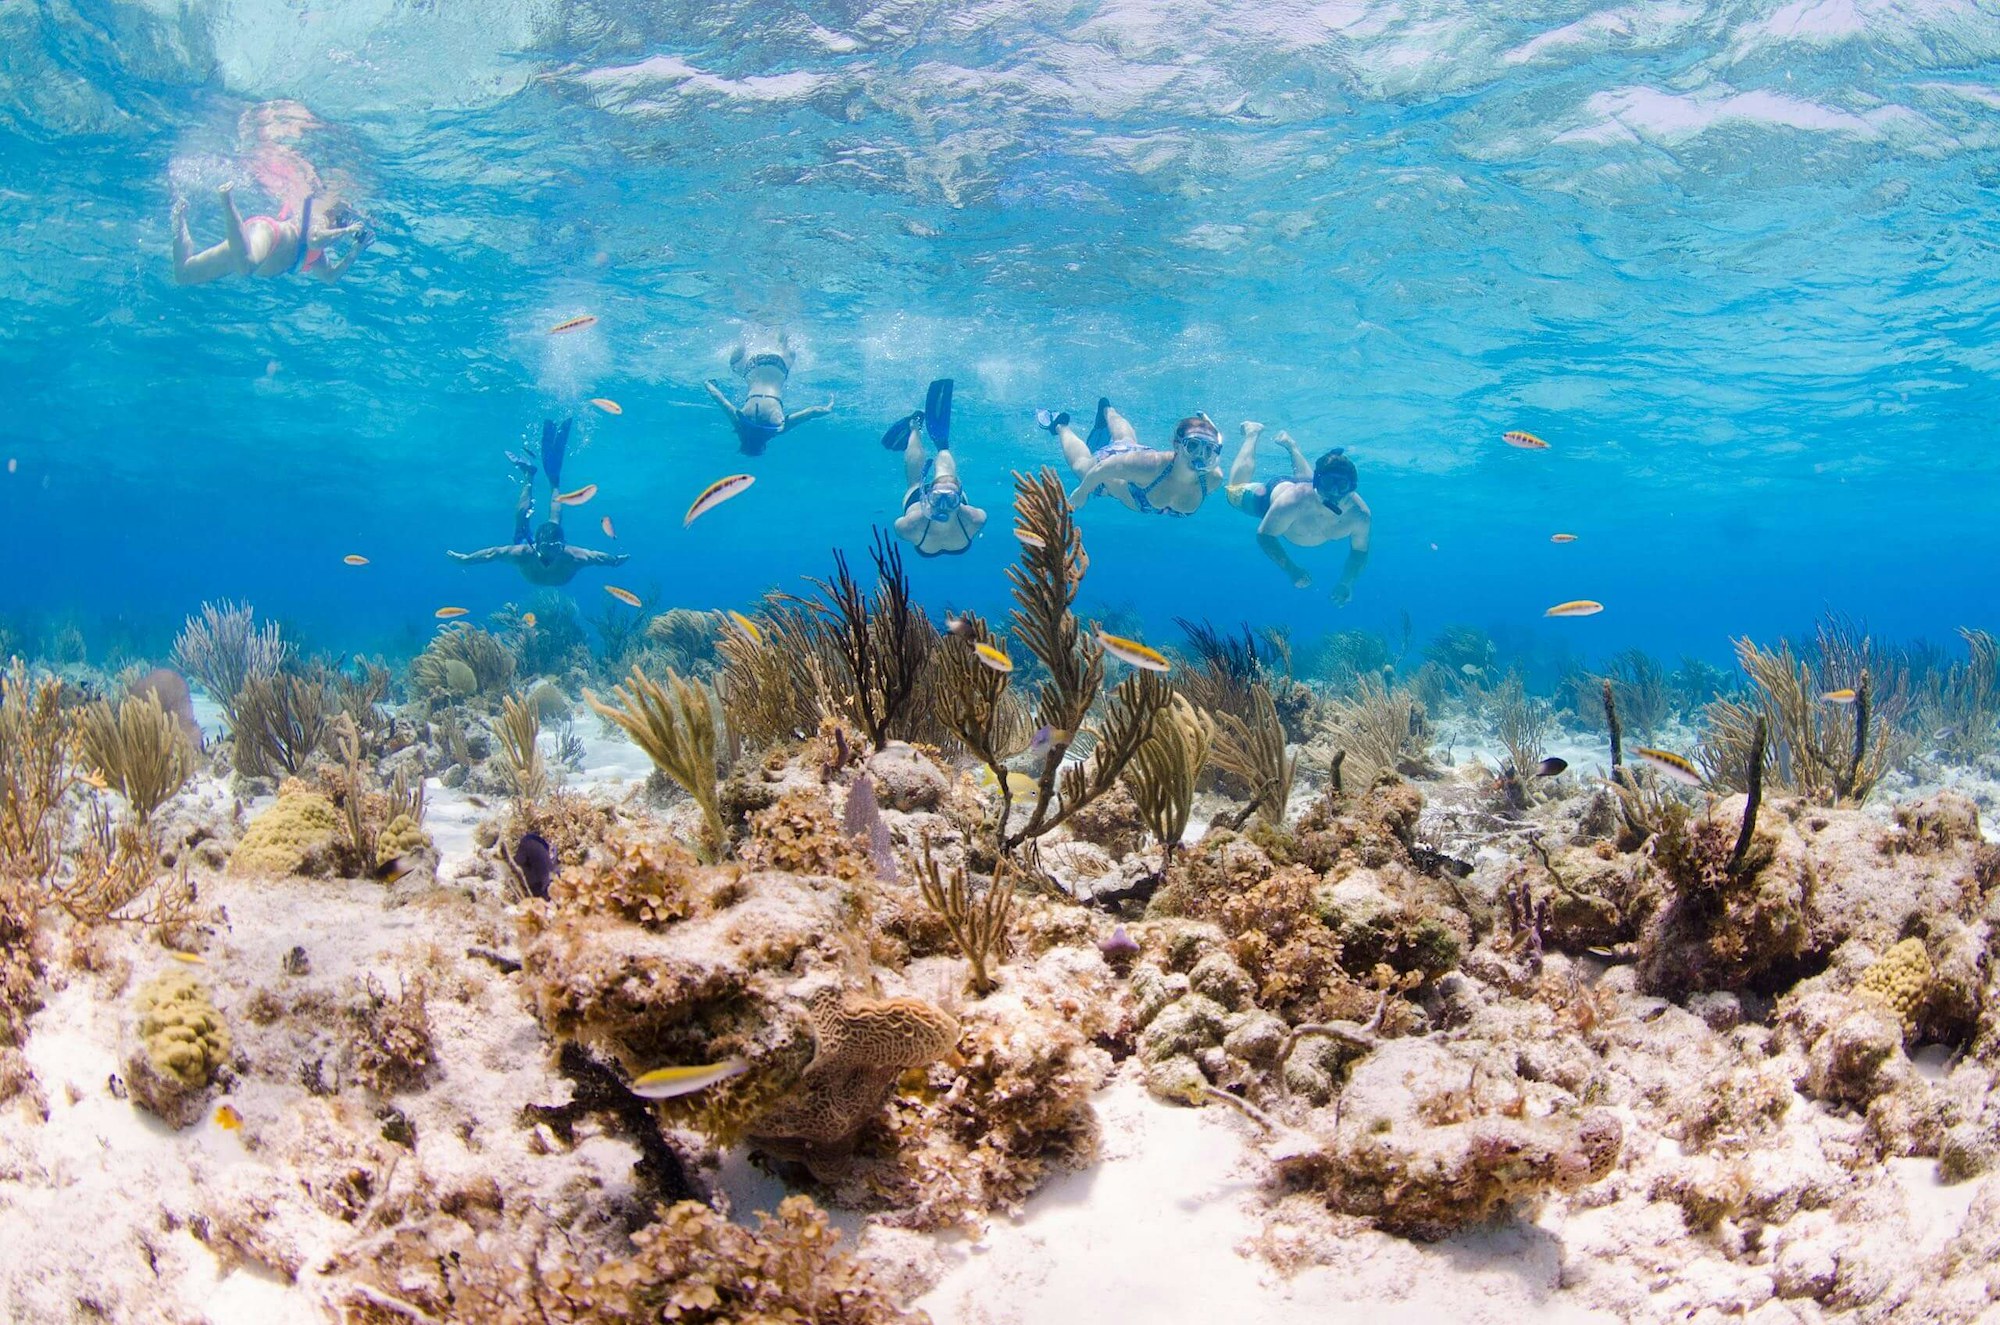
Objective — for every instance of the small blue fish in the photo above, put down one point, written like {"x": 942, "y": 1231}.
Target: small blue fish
{"x": 536, "y": 860}
{"x": 1044, "y": 738}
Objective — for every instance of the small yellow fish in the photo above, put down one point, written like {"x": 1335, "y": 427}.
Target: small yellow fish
{"x": 90, "y": 777}
{"x": 1839, "y": 696}
{"x": 746, "y": 625}
{"x": 608, "y": 406}
{"x": 191, "y": 958}
{"x": 447, "y": 613}
{"x": 605, "y": 524}
{"x": 1562, "y": 538}
{"x": 665, "y": 1083}
{"x": 355, "y": 559}
{"x": 1576, "y": 607}
{"x": 993, "y": 658}
{"x": 1677, "y": 768}
{"x": 574, "y": 324}
{"x": 1132, "y": 652}
{"x": 528, "y": 620}
{"x": 715, "y": 494}
{"x": 578, "y": 497}
{"x": 625, "y": 596}
{"x": 1019, "y": 785}
{"x": 1526, "y": 441}
{"x": 227, "y": 1118}
{"x": 1029, "y": 538}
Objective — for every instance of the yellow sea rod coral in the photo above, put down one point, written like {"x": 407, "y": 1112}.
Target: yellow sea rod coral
{"x": 1900, "y": 980}
{"x": 294, "y": 836}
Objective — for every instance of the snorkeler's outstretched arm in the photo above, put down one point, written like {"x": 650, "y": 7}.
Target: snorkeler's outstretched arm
{"x": 728, "y": 405}
{"x": 1357, "y": 551}
{"x": 333, "y": 271}
{"x": 912, "y": 523}
{"x": 490, "y": 554}
{"x": 973, "y": 518}
{"x": 1275, "y": 550}
{"x": 1122, "y": 467}
{"x": 1302, "y": 468}
{"x": 793, "y": 418}
{"x": 590, "y": 557}
{"x": 1287, "y": 500}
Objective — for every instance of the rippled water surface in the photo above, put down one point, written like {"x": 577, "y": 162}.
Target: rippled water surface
{"x": 1737, "y": 262}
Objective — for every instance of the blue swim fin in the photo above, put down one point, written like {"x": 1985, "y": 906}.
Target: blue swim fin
{"x": 1100, "y": 431}
{"x": 937, "y": 413}
{"x": 555, "y": 443}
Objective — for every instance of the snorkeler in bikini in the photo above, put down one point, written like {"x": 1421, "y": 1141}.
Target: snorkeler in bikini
{"x": 1173, "y": 482}
{"x": 936, "y": 518}
{"x": 540, "y": 554}
{"x": 270, "y": 245}
{"x": 764, "y": 365}
{"x": 1317, "y": 504}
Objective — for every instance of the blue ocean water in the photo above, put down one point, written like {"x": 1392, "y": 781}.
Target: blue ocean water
{"x": 1738, "y": 262}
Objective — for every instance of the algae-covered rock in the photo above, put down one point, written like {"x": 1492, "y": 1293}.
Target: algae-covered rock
{"x": 905, "y": 778}
{"x": 294, "y": 836}
{"x": 1424, "y": 1153}
{"x": 182, "y": 1043}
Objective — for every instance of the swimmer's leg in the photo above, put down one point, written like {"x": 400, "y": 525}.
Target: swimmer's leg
{"x": 1302, "y": 468}
{"x": 190, "y": 267}
{"x": 232, "y": 229}
{"x": 1253, "y": 499}
{"x": 524, "y": 507}
{"x": 1243, "y": 469}
{"x": 915, "y": 459}
{"x": 1075, "y": 449}
{"x": 947, "y": 467}
{"x": 1114, "y": 426}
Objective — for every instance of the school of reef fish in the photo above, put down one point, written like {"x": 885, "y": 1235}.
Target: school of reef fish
{"x": 426, "y": 1018}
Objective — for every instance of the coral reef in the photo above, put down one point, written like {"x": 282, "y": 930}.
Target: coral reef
{"x": 675, "y": 725}
{"x": 183, "y": 1043}
{"x": 298, "y": 834}
{"x": 224, "y": 648}
{"x": 139, "y": 749}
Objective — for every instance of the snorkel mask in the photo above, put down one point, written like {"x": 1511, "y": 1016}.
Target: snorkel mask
{"x": 944, "y": 501}
{"x": 1334, "y": 476}
{"x": 1201, "y": 439}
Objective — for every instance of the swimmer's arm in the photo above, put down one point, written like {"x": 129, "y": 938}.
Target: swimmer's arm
{"x": 1271, "y": 530}
{"x": 728, "y": 405}
{"x": 1275, "y": 550}
{"x": 1302, "y": 468}
{"x": 975, "y": 520}
{"x": 1357, "y": 553}
{"x": 794, "y": 418}
{"x": 333, "y": 271}
{"x": 911, "y": 525}
{"x": 486, "y": 554}
{"x": 1129, "y": 467}
{"x": 591, "y": 557}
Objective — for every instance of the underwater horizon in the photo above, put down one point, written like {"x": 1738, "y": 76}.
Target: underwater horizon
{"x": 1735, "y": 262}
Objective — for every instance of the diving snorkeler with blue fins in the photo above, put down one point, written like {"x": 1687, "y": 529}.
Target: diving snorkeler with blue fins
{"x": 936, "y": 519}
{"x": 764, "y": 366}
{"x": 1316, "y": 504}
{"x": 540, "y": 554}
{"x": 1111, "y": 461}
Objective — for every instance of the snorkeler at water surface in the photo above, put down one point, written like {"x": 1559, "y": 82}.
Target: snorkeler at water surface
{"x": 1317, "y": 504}
{"x": 1173, "y": 482}
{"x": 540, "y": 554}
{"x": 270, "y": 245}
{"x": 936, "y": 518}
{"x": 764, "y": 363}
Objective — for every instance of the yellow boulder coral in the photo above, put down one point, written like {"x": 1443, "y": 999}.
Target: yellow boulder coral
{"x": 182, "y": 1042}
{"x": 1900, "y": 980}
{"x": 402, "y": 836}
{"x": 293, "y": 836}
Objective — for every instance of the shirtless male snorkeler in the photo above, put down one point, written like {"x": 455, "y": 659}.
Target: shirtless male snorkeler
{"x": 764, "y": 366}
{"x": 269, "y": 245}
{"x": 542, "y": 556}
{"x": 1317, "y": 504}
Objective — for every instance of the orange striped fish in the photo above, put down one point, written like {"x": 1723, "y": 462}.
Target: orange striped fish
{"x": 605, "y": 524}
{"x": 355, "y": 559}
{"x": 528, "y": 620}
{"x": 625, "y": 596}
{"x": 1525, "y": 441}
{"x": 608, "y": 406}
{"x": 1576, "y": 607}
{"x": 577, "y": 497}
{"x": 993, "y": 658}
{"x": 715, "y": 494}
{"x": 1562, "y": 538}
{"x": 1676, "y": 768}
{"x": 1131, "y": 652}
{"x": 447, "y": 613}
{"x": 574, "y": 324}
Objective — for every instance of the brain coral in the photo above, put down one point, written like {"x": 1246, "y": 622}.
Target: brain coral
{"x": 182, "y": 1041}
{"x": 294, "y": 836}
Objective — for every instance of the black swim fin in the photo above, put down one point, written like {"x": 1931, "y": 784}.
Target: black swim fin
{"x": 1100, "y": 431}
{"x": 555, "y": 442}
{"x": 897, "y": 438}
{"x": 937, "y": 413}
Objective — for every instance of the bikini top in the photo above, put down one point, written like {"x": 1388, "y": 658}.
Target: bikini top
{"x": 1141, "y": 497}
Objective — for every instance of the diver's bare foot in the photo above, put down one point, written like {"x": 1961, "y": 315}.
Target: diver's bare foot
{"x": 224, "y": 190}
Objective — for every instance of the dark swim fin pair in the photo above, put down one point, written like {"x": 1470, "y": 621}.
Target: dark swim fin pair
{"x": 555, "y": 444}
{"x": 934, "y": 418}
{"x": 1100, "y": 431}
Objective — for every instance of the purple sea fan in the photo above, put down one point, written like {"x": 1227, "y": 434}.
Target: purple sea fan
{"x": 170, "y": 690}
{"x": 863, "y": 819}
